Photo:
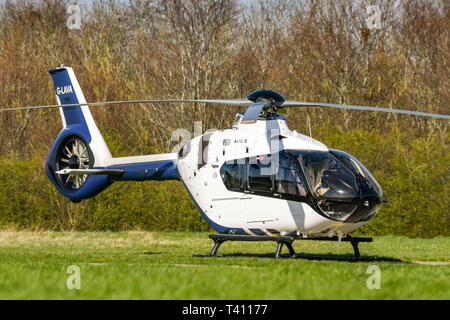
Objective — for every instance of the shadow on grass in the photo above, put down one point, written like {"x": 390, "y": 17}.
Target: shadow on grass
{"x": 316, "y": 257}
{"x": 148, "y": 253}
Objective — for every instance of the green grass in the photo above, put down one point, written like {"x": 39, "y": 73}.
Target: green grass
{"x": 157, "y": 265}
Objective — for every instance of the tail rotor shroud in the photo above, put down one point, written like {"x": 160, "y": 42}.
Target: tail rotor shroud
{"x": 73, "y": 153}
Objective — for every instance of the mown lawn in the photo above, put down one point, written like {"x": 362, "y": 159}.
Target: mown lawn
{"x": 158, "y": 265}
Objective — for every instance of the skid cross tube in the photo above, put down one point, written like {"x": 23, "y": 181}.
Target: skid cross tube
{"x": 221, "y": 238}
{"x": 353, "y": 240}
{"x": 282, "y": 240}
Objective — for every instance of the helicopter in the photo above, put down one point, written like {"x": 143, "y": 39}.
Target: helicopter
{"x": 255, "y": 181}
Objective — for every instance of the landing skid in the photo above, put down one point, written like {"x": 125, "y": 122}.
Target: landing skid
{"x": 281, "y": 240}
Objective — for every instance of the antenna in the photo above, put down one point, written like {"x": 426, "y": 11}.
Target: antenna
{"x": 309, "y": 126}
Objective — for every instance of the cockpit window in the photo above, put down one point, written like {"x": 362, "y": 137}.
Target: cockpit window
{"x": 327, "y": 176}
{"x": 352, "y": 162}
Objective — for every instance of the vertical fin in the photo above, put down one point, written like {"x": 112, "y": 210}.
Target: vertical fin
{"x": 79, "y": 118}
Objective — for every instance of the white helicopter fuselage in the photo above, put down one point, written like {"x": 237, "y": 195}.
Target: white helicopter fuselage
{"x": 244, "y": 212}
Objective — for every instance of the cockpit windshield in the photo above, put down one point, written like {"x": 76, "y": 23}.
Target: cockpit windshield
{"x": 352, "y": 162}
{"x": 327, "y": 176}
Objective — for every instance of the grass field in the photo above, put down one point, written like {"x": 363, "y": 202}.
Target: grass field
{"x": 157, "y": 265}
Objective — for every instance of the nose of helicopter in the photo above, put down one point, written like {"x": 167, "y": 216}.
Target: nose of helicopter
{"x": 369, "y": 204}
{"x": 369, "y": 197}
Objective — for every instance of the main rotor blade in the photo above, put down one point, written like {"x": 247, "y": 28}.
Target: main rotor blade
{"x": 93, "y": 104}
{"x": 363, "y": 108}
{"x": 234, "y": 102}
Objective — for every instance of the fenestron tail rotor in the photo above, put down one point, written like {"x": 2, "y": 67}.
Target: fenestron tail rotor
{"x": 72, "y": 154}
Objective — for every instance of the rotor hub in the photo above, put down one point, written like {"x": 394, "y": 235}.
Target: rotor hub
{"x": 276, "y": 98}
{"x": 74, "y": 162}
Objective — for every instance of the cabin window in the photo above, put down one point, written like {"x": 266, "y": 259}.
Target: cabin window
{"x": 234, "y": 175}
{"x": 288, "y": 180}
{"x": 277, "y": 175}
{"x": 260, "y": 174}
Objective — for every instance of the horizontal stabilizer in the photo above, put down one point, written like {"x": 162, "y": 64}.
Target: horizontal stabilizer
{"x": 112, "y": 172}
